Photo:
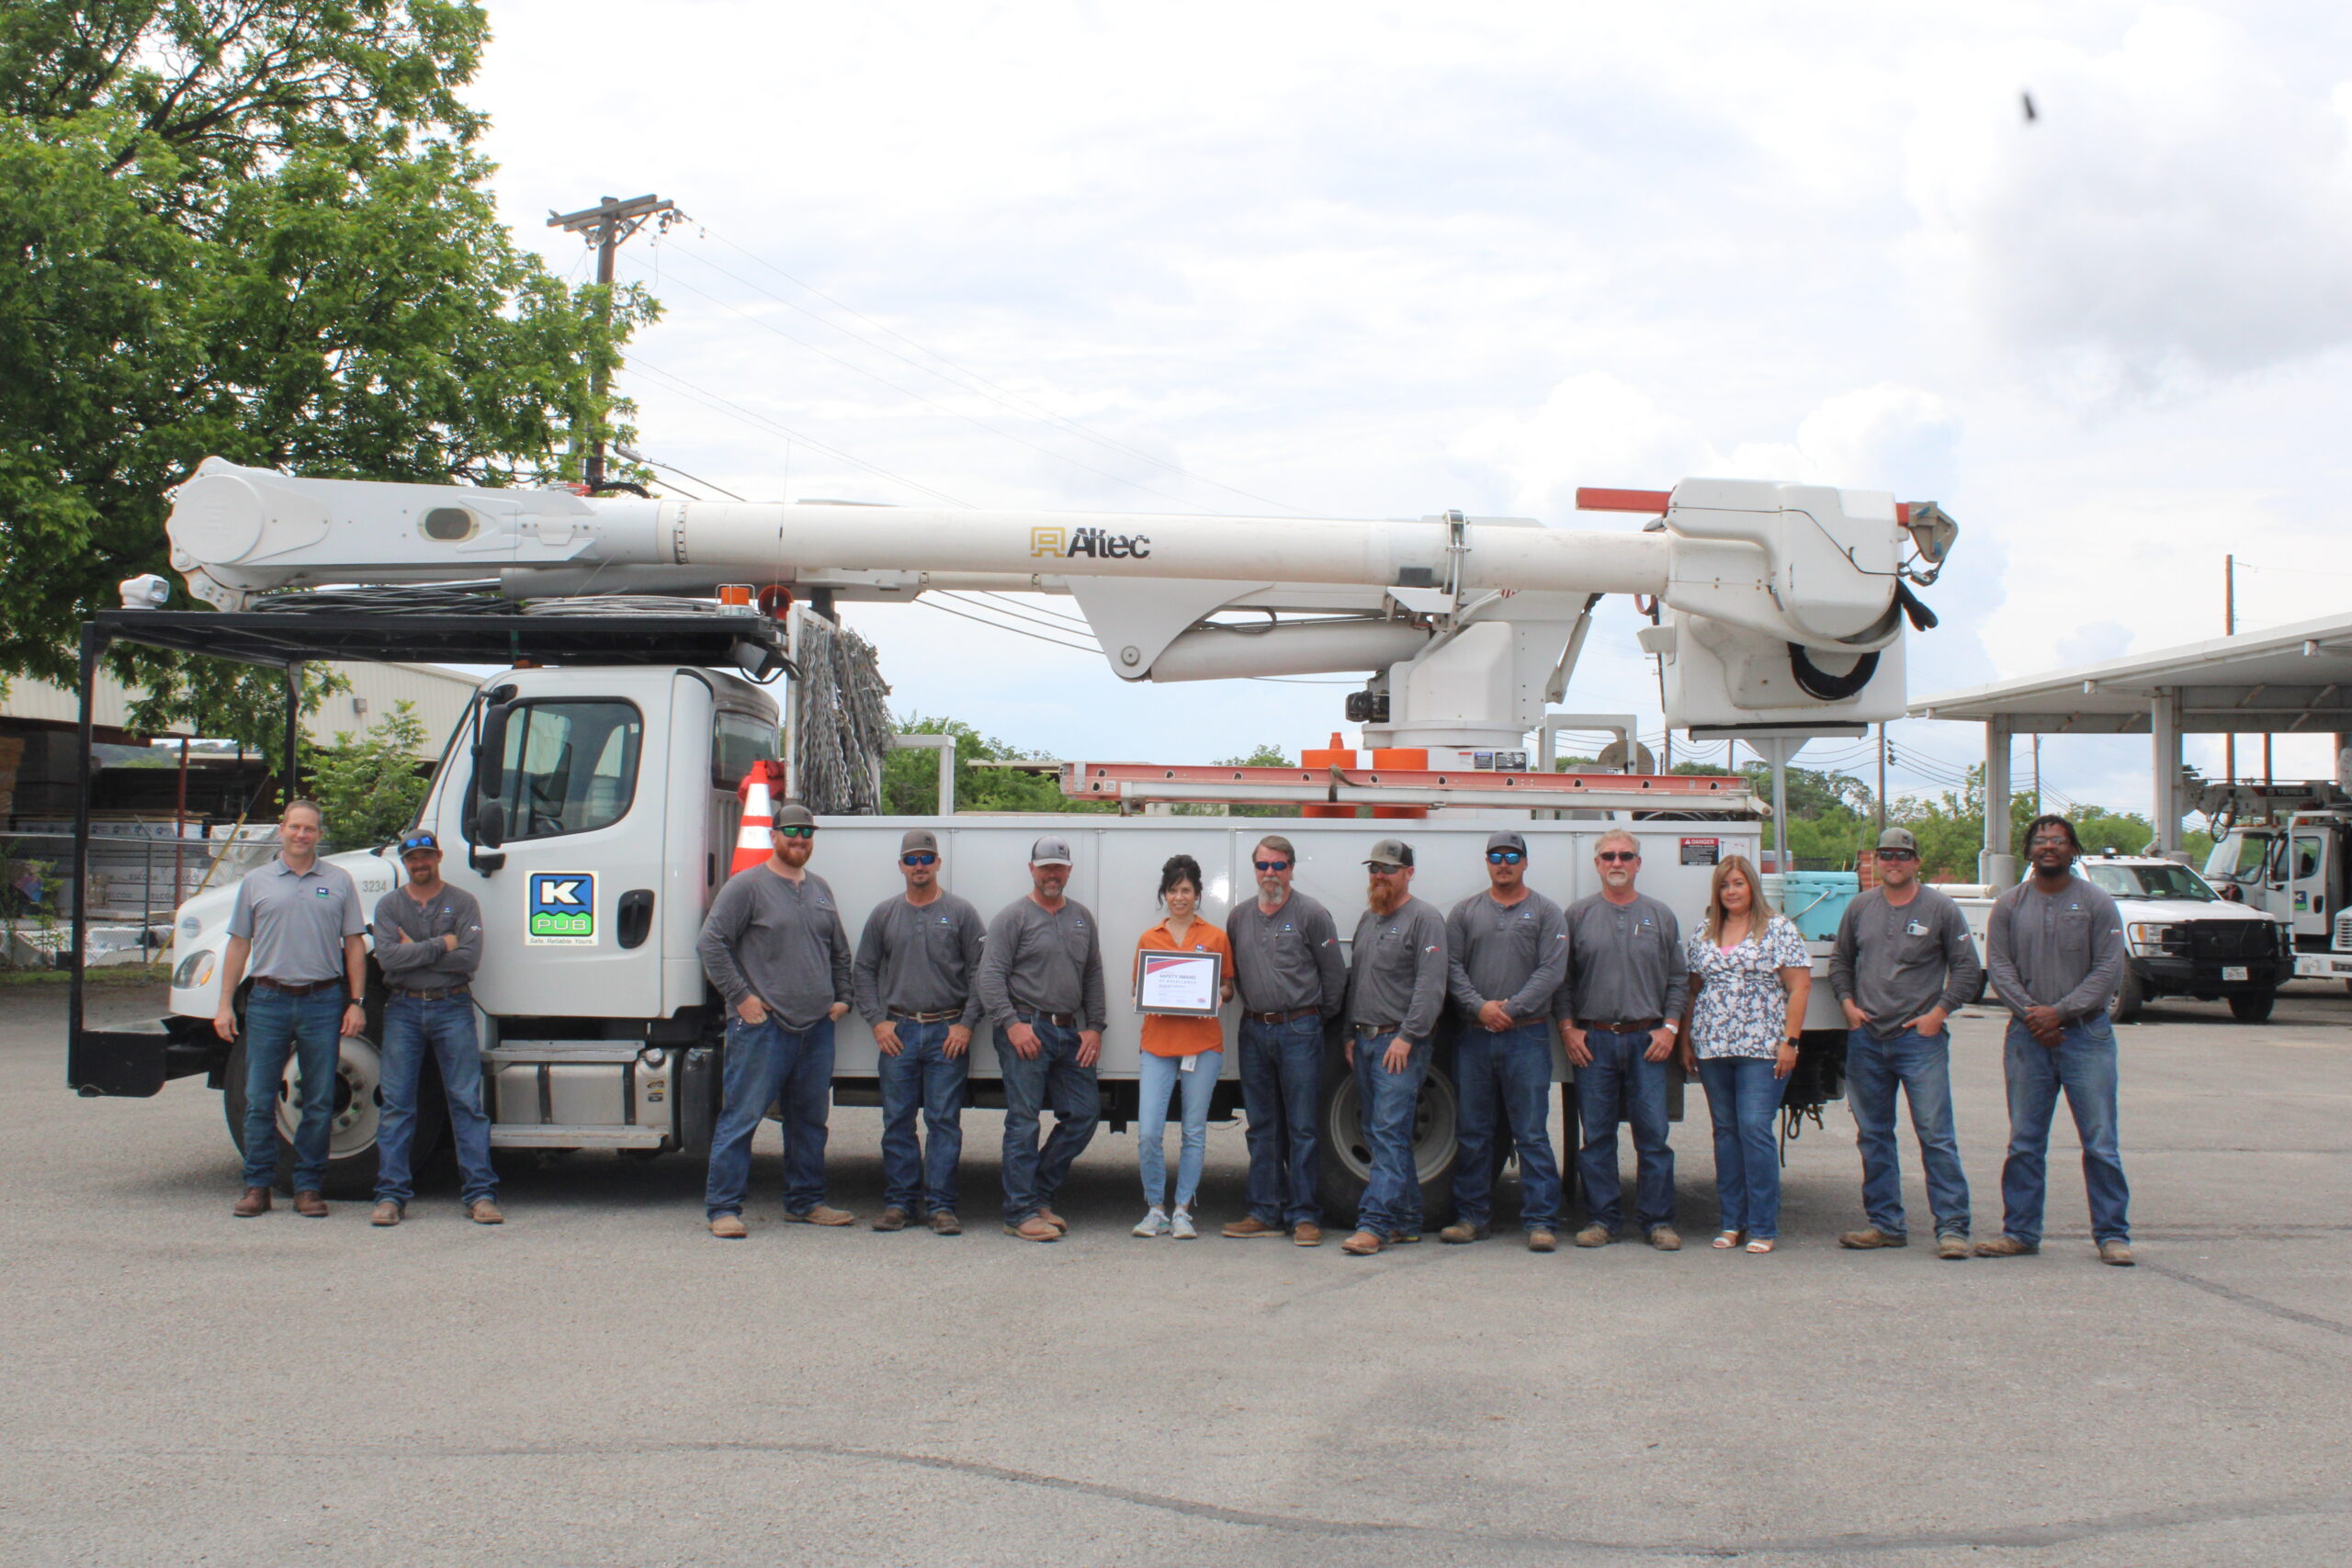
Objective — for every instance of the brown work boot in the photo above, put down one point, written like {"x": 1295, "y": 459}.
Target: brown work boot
{"x": 727, "y": 1227}
{"x": 2119, "y": 1253}
{"x": 1540, "y": 1240}
{"x": 945, "y": 1223}
{"x": 1665, "y": 1239}
{"x": 892, "y": 1218}
{"x": 2006, "y": 1246}
{"x": 1307, "y": 1233}
{"x": 1952, "y": 1246}
{"x": 387, "y": 1213}
{"x": 1595, "y": 1235}
{"x": 1460, "y": 1235}
{"x": 1249, "y": 1227}
{"x": 255, "y": 1201}
{"x": 821, "y": 1215}
{"x": 310, "y": 1205}
{"x": 485, "y": 1212}
{"x": 1364, "y": 1244}
{"x": 1054, "y": 1220}
{"x": 1870, "y": 1238}
{"x": 1034, "y": 1228}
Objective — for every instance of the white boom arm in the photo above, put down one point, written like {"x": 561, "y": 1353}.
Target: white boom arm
{"x": 1776, "y": 598}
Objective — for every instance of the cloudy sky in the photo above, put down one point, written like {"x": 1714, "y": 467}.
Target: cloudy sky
{"x": 1360, "y": 261}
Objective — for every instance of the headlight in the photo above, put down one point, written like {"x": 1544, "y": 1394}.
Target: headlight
{"x": 2150, "y": 935}
{"x": 194, "y": 970}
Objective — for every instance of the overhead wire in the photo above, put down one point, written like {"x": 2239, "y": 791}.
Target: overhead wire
{"x": 929, "y": 601}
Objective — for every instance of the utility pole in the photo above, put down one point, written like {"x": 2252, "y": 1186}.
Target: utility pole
{"x": 2037, "y": 773}
{"x": 2230, "y": 628}
{"x": 1881, "y": 777}
{"x": 606, "y": 226}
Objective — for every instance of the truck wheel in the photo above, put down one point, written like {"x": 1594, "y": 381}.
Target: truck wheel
{"x": 358, "y": 1106}
{"x": 1347, "y": 1160}
{"x": 2130, "y": 997}
{"x": 2251, "y": 1007}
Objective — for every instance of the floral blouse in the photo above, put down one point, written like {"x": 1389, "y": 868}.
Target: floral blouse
{"x": 1743, "y": 1008}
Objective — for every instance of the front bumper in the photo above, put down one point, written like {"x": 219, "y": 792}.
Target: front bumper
{"x": 2202, "y": 978}
{"x": 139, "y": 1062}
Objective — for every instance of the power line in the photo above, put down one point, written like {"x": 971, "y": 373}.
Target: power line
{"x": 930, "y": 601}
{"x": 1000, "y": 609}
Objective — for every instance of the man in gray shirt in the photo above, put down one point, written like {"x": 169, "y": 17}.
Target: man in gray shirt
{"x": 299, "y": 921}
{"x": 774, "y": 947}
{"x": 1396, "y": 969}
{"x": 917, "y": 963}
{"x": 2056, "y": 954}
{"x": 1287, "y": 970}
{"x": 1041, "y": 983}
{"x": 1902, "y": 964}
{"x": 1620, "y": 1010}
{"x": 428, "y": 944}
{"x": 1507, "y": 951}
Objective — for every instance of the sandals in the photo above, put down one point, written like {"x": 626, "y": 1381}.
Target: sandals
{"x": 1761, "y": 1244}
{"x": 1728, "y": 1239}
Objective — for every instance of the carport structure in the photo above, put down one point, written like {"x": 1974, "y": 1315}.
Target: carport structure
{"x": 2289, "y": 680}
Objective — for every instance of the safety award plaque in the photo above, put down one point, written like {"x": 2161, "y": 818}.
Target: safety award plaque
{"x": 1186, "y": 985}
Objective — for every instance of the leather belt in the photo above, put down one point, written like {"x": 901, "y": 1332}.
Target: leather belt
{"x": 465, "y": 989}
{"x": 1626, "y": 1026}
{"x": 950, "y": 1016}
{"x": 1058, "y": 1020}
{"x": 1370, "y": 1029}
{"x": 1291, "y": 1016}
{"x": 298, "y": 987}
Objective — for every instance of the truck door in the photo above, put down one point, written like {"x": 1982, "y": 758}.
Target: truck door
{"x": 2306, "y": 868}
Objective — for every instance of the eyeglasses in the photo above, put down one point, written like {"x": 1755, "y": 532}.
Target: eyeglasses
{"x": 918, "y": 860}
{"x": 797, "y": 832}
{"x": 1614, "y": 856}
{"x": 1504, "y": 857}
{"x": 1271, "y": 864}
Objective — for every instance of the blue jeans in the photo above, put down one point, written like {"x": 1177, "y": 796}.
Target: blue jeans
{"x": 1392, "y": 1199}
{"x": 1619, "y": 1084}
{"x": 920, "y": 1078}
{"x": 447, "y": 1028}
{"x": 1161, "y": 1078}
{"x": 1507, "y": 1075}
{"x": 1744, "y": 1103}
{"x": 310, "y": 1029}
{"x": 1282, "y": 1088}
{"x": 2084, "y": 1065}
{"x": 792, "y": 1069}
{"x": 1051, "y": 1079}
{"x": 1921, "y": 1064}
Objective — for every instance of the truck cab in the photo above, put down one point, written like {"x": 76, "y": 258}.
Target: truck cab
{"x": 2296, "y": 870}
{"x": 2184, "y": 939}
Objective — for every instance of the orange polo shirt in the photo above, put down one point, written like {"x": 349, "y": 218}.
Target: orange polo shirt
{"x": 1163, "y": 1034}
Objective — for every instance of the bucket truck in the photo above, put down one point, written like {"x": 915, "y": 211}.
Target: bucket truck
{"x": 603, "y": 765}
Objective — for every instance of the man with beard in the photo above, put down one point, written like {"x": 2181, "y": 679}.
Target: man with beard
{"x": 1287, "y": 969}
{"x": 1396, "y": 986}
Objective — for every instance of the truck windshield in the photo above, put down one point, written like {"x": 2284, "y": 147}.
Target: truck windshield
{"x": 571, "y": 767}
{"x": 2239, "y": 857}
{"x": 2152, "y": 882}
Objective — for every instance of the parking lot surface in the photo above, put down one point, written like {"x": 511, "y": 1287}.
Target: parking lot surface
{"x": 599, "y": 1382}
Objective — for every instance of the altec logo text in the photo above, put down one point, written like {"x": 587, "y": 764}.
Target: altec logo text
{"x": 1099, "y": 543}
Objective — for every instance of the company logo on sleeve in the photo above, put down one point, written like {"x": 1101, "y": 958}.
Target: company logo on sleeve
{"x": 562, "y": 909}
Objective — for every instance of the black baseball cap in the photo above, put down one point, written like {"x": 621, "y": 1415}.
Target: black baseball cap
{"x": 419, "y": 839}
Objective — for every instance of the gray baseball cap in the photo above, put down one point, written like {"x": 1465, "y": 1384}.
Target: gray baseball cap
{"x": 792, "y": 813}
{"x": 916, "y": 839}
{"x": 1898, "y": 838}
{"x": 1506, "y": 840}
{"x": 1390, "y": 851}
{"x": 1050, "y": 851}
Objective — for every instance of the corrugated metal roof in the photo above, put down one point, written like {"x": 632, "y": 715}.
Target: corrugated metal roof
{"x": 440, "y": 696}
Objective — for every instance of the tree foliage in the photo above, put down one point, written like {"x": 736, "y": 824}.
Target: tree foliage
{"x": 370, "y": 788}
{"x": 257, "y": 228}
{"x": 910, "y": 779}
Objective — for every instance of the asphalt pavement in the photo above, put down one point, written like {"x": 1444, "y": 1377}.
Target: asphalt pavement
{"x": 599, "y": 1382}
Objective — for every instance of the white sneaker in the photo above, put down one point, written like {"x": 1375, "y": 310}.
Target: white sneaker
{"x": 1151, "y": 1225}
{"x": 1180, "y": 1227}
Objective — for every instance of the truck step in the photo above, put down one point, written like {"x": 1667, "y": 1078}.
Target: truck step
{"x": 532, "y": 1135}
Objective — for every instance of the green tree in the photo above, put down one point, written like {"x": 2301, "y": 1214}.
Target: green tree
{"x": 370, "y": 788}
{"x": 257, "y": 228}
{"x": 910, "y": 778}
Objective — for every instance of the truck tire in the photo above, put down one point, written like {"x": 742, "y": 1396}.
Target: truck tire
{"x": 1347, "y": 1163}
{"x": 2130, "y": 997}
{"x": 351, "y": 1147}
{"x": 2251, "y": 1007}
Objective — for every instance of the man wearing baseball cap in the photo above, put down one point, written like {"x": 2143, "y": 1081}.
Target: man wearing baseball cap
{"x": 1902, "y": 964}
{"x": 428, "y": 944}
{"x": 914, "y": 977}
{"x": 1396, "y": 970}
{"x": 773, "y": 946}
{"x": 1507, "y": 951}
{"x": 1041, "y": 983}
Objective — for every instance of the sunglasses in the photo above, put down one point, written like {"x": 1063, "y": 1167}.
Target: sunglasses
{"x": 1271, "y": 864}
{"x": 1897, "y": 854}
{"x": 1614, "y": 856}
{"x": 918, "y": 860}
{"x": 1504, "y": 857}
{"x": 796, "y": 832}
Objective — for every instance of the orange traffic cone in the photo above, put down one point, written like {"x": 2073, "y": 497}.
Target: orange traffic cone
{"x": 752, "y": 843}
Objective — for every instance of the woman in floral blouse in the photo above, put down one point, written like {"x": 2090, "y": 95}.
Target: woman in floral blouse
{"x": 1749, "y": 978}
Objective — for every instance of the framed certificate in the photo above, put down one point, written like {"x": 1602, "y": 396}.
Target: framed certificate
{"x": 1184, "y": 984}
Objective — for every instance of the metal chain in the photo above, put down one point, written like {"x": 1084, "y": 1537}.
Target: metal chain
{"x": 843, "y": 722}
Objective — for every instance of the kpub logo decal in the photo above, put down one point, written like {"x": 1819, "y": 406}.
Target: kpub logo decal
{"x": 563, "y": 910}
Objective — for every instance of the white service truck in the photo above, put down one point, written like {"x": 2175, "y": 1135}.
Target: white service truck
{"x": 589, "y": 799}
{"x": 2297, "y": 867}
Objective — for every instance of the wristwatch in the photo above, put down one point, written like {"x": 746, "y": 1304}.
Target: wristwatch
{"x": 1671, "y": 1025}
{"x": 354, "y": 1002}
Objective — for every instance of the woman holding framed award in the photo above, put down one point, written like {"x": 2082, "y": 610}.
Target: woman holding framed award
{"x": 1183, "y": 975}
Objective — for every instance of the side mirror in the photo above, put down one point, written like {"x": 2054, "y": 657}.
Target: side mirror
{"x": 490, "y": 825}
{"x": 490, "y": 753}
